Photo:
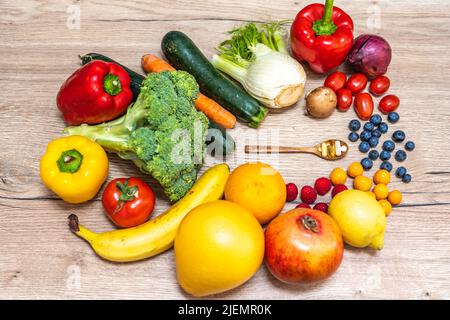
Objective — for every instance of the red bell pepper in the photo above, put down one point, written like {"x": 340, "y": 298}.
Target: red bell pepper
{"x": 97, "y": 92}
{"x": 322, "y": 36}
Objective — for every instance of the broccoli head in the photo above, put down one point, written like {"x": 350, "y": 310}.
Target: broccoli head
{"x": 162, "y": 132}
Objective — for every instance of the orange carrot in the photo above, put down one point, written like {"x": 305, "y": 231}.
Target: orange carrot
{"x": 151, "y": 63}
{"x": 213, "y": 110}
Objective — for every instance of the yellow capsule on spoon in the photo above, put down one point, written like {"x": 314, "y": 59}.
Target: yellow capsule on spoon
{"x": 328, "y": 150}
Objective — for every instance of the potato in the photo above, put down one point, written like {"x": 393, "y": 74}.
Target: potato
{"x": 321, "y": 102}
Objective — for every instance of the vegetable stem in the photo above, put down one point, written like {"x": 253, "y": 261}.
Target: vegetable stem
{"x": 229, "y": 67}
{"x": 325, "y": 26}
{"x": 110, "y": 137}
{"x": 279, "y": 42}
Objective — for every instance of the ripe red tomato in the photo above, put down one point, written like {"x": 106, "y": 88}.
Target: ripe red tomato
{"x": 336, "y": 81}
{"x": 344, "y": 99}
{"x": 364, "y": 105}
{"x": 357, "y": 83}
{"x": 379, "y": 85}
{"x": 389, "y": 103}
{"x": 128, "y": 202}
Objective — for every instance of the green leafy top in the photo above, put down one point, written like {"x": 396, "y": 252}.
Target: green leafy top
{"x": 238, "y": 48}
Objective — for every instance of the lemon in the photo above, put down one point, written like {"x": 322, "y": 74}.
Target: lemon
{"x": 361, "y": 219}
{"x": 219, "y": 246}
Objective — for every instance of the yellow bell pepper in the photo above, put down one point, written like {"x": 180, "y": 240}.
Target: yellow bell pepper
{"x": 74, "y": 168}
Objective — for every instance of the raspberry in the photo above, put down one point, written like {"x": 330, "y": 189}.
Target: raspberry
{"x": 338, "y": 188}
{"x": 291, "y": 192}
{"x": 322, "y": 185}
{"x": 321, "y": 206}
{"x": 308, "y": 195}
{"x": 303, "y": 205}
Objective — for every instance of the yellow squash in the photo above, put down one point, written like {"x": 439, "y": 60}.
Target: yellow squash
{"x": 74, "y": 168}
{"x": 157, "y": 235}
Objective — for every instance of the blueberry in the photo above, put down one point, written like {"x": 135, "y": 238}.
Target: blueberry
{"x": 386, "y": 165}
{"x": 407, "y": 178}
{"x": 388, "y": 145}
{"x": 400, "y": 155}
{"x": 383, "y": 127}
{"x": 354, "y": 125}
{"x": 353, "y": 136}
{"x": 393, "y": 117}
{"x": 398, "y": 136}
{"x": 375, "y": 119}
{"x": 373, "y": 155}
{"x": 365, "y": 135}
{"x": 410, "y": 146}
{"x": 376, "y": 133}
{"x": 368, "y": 126}
{"x": 373, "y": 142}
{"x": 385, "y": 155}
{"x": 367, "y": 163}
{"x": 364, "y": 147}
{"x": 400, "y": 172}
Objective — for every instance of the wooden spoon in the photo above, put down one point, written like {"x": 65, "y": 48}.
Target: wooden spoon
{"x": 328, "y": 150}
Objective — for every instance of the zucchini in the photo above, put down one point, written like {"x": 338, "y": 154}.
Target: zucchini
{"x": 183, "y": 54}
{"x": 136, "y": 78}
{"x": 223, "y": 143}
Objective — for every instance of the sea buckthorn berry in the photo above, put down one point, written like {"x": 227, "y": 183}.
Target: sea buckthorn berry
{"x": 387, "y": 207}
{"x": 338, "y": 176}
{"x": 395, "y": 197}
{"x": 355, "y": 169}
{"x": 381, "y": 191}
{"x": 362, "y": 183}
{"x": 382, "y": 176}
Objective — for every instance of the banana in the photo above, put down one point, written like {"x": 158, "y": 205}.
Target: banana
{"x": 157, "y": 235}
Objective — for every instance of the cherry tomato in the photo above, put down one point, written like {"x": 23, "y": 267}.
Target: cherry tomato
{"x": 357, "y": 83}
{"x": 336, "y": 81}
{"x": 128, "y": 202}
{"x": 344, "y": 99}
{"x": 364, "y": 105}
{"x": 389, "y": 103}
{"x": 380, "y": 85}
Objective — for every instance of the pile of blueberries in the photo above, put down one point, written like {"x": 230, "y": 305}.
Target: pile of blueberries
{"x": 370, "y": 139}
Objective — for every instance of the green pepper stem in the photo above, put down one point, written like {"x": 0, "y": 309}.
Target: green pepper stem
{"x": 111, "y": 84}
{"x": 325, "y": 26}
{"x": 70, "y": 161}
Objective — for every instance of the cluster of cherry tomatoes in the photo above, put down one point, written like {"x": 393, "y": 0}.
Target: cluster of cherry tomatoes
{"x": 350, "y": 91}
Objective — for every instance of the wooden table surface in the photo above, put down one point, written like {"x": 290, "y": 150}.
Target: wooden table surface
{"x": 39, "y": 44}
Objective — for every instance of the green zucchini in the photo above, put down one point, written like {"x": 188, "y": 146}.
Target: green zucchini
{"x": 183, "y": 54}
{"x": 136, "y": 78}
{"x": 223, "y": 142}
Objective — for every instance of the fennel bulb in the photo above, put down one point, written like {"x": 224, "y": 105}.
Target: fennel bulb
{"x": 260, "y": 62}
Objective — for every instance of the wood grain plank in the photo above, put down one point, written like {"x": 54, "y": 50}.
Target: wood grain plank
{"x": 39, "y": 254}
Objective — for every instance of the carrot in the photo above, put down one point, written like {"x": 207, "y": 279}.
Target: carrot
{"x": 214, "y": 111}
{"x": 151, "y": 63}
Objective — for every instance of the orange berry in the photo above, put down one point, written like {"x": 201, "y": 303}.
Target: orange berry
{"x": 370, "y": 193}
{"x": 355, "y": 169}
{"x": 386, "y": 205}
{"x": 381, "y": 191}
{"x": 338, "y": 176}
{"x": 382, "y": 176}
{"x": 362, "y": 183}
{"x": 395, "y": 197}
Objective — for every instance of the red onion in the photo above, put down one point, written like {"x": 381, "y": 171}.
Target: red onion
{"x": 371, "y": 55}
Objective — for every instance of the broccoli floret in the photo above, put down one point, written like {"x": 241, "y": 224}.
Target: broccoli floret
{"x": 159, "y": 132}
